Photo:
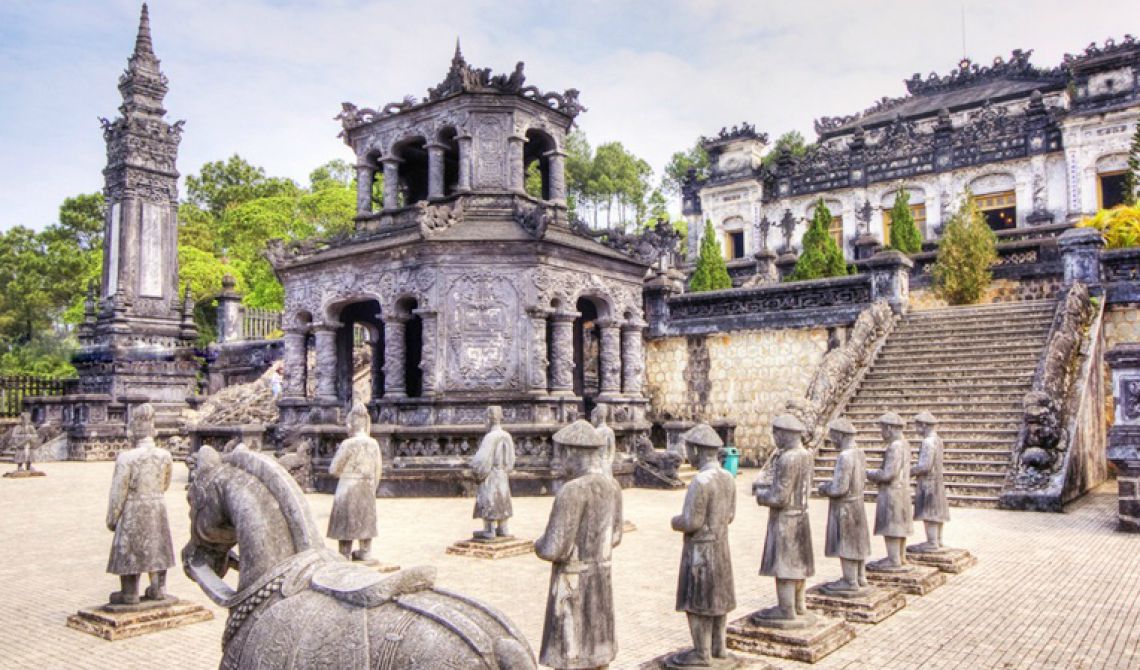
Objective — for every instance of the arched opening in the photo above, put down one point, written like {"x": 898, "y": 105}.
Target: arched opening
{"x": 587, "y": 353}
{"x": 413, "y": 349}
{"x": 536, "y": 163}
{"x": 360, "y": 337}
{"x": 449, "y": 138}
{"x": 412, "y": 171}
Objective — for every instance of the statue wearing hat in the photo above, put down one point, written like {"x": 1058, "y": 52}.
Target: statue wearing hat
{"x": 357, "y": 465}
{"x": 930, "y": 491}
{"x": 585, "y": 525}
{"x": 705, "y": 590}
{"x": 492, "y": 466}
{"x": 892, "y": 506}
{"x": 787, "y": 545}
{"x": 598, "y": 418}
{"x": 847, "y": 534}
{"x": 24, "y": 439}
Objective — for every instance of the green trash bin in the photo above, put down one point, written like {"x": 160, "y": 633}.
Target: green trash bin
{"x": 731, "y": 459}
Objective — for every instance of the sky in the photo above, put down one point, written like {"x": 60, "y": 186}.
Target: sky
{"x": 264, "y": 78}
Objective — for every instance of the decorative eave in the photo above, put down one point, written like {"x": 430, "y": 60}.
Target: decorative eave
{"x": 744, "y": 131}
{"x": 1127, "y": 50}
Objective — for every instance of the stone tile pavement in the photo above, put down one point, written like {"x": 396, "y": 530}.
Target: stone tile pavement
{"x": 1050, "y": 591}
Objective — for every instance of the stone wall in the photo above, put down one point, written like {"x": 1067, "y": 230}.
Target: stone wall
{"x": 1000, "y": 290}
{"x": 745, "y": 376}
{"x": 1121, "y": 324}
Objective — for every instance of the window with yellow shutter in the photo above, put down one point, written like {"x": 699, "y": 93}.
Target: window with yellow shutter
{"x": 999, "y": 209}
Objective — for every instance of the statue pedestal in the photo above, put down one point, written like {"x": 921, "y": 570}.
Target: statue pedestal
{"x": 378, "y": 566}
{"x": 947, "y": 559}
{"x": 627, "y": 526}
{"x": 500, "y": 547}
{"x": 870, "y": 605}
{"x": 115, "y": 622}
{"x": 20, "y": 474}
{"x": 917, "y": 580}
{"x": 819, "y": 637}
{"x": 730, "y": 662}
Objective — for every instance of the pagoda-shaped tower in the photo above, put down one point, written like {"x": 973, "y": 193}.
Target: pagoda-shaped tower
{"x": 469, "y": 286}
{"x": 137, "y": 336}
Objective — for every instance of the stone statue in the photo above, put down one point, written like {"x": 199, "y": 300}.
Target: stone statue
{"x": 585, "y": 525}
{"x": 892, "y": 506}
{"x": 705, "y": 590}
{"x": 609, "y": 452}
{"x": 137, "y": 513}
{"x": 299, "y": 605}
{"x": 787, "y": 545}
{"x": 492, "y": 466}
{"x": 930, "y": 504}
{"x": 847, "y": 534}
{"x": 24, "y": 441}
{"x": 357, "y": 465}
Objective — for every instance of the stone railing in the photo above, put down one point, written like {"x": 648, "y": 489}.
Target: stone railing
{"x": 259, "y": 324}
{"x": 1120, "y": 272}
{"x": 13, "y": 390}
{"x": 1023, "y": 256}
{"x": 1124, "y": 436}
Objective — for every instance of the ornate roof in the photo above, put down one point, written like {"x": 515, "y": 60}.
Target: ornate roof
{"x": 1111, "y": 48}
{"x": 744, "y": 131}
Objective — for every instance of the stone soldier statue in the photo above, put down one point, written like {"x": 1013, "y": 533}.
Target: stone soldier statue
{"x": 787, "y": 545}
{"x": 598, "y": 417}
{"x": 705, "y": 590}
{"x": 492, "y": 466}
{"x": 930, "y": 491}
{"x": 892, "y": 506}
{"x": 585, "y": 525}
{"x": 357, "y": 465}
{"x": 137, "y": 513}
{"x": 24, "y": 440}
{"x": 847, "y": 535}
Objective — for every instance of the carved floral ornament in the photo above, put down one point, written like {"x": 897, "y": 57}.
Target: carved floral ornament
{"x": 567, "y": 287}
{"x": 323, "y": 295}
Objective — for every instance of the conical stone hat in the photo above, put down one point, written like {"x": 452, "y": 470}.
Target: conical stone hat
{"x": 892, "y": 419}
{"x": 580, "y": 435}
{"x": 927, "y": 418}
{"x": 842, "y": 425}
{"x": 703, "y": 435}
{"x": 789, "y": 422}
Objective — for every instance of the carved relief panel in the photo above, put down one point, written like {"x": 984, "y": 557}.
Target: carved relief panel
{"x": 482, "y": 331}
{"x": 489, "y": 151}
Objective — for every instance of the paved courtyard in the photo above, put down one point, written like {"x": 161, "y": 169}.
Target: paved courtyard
{"x": 1050, "y": 591}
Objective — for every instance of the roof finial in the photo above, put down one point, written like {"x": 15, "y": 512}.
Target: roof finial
{"x": 143, "y": 45}
{"x": 458, "y": 57}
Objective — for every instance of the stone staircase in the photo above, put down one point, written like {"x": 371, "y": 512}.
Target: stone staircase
{"x": 970, "y": 367}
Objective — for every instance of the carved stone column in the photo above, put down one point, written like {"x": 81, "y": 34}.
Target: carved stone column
{"x": 632, "y": 358}
{"x": 435, "y": 171}
{"x": 557, "y": 176}
{"x": 1080, "y": 257}
{"x": 1124, "y": 436}
{"x": 538, "y": 359}
{"x": 890, "y": 278}
{"x": 365, "y": 175}
{"x": 394, "y": 346}
{"x": 391, "y": 182}
{"x": 428, "y": 317}
{"x": 562, "y": 351}
{"x": 295, "y": 362}
{"x": 464, "y": 163}
{"x": 325, "y": 345}
{"x": 518, "y": 167}
{"x": 610, "y": 368}
{"x": 229, "y": 312}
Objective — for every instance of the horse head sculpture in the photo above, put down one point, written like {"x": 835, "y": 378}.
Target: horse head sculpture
{"x": 299, "y": 604}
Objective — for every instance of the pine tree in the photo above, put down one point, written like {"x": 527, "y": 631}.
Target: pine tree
{"x": 1132, "y": 174}
{"x": 821, "y": 256}
{"x": 968, "y": 248}
{"x": 904, "y": 234}
{"x": 711, "y": 273}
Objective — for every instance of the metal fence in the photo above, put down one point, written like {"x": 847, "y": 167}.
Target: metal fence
{"x": 259, "y": 324}
{"x": 14, "y": 389}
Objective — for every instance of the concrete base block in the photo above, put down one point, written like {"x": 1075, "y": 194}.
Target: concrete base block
{"x": 808, "y": 644}
{"x": 731, "y": 662}
{"x": 627, "y": 526}
{"x": 871, "y": 606}
{"x": 916, "y": 580}
{"x": 500, "y": 547}
{"x": 115, "y": 622}
{"x": 947, "y": 559}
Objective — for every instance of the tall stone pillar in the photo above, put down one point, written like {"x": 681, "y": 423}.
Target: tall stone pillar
{"x": 435, "y": 171}
{"x": 557, "y": 176}
{"x": 1080, "y": 256}
{"x": 632, "y": 358}
{"x": 610, "y": 369}
{"x": 365, "y": 176}
{"x": 391, "y": 182}
{"x": 428, "y": 363}
{"x": 515, "y": 146}
{"x": 229, "y": 312}
{"x": 1124, "y": 435}
{"x": 464, "y": 163}
{"x": 539, "y": 362}
{"x": 394, "y": 356}
{"x": 890, "y": 279}
{"x": 562, "y": 351}
{"x": 325, "y": 335}
{"x": 296, "y": 364}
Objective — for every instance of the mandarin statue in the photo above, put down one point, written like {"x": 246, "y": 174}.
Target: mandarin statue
{"x": 705, "y": 589}
{"x": 892, "y": 505}
{"x": 787, "y": 545}
{"x": 598, "y": 417}
{"x": 847, "y": 535}
{"x": 300, "y": 605}
{"x": 930, "y": 504}
{"x": 357, "y": 465}
{"x": 492, "y": 466}
{"x": 137, "y": 513}
{"x": 585, "y": 525}
{"x": 24, "y": 440}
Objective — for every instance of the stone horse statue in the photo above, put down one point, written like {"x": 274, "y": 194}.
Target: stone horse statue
{"x": 300, "y": 605}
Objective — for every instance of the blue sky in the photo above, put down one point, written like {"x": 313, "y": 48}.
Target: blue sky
{"x": 263, "y": 78}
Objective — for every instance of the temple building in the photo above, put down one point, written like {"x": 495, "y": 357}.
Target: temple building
{"x": 465, "y": 290}
{"x": 1034, "y": 146}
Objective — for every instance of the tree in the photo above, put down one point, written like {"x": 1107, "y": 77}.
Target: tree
{"x": 821, "y": 256}
{"x": 961, "y": 272}
{"x": 678, "y": 166}
{"x": 222, "y": 184}
{"x": 904, "y": 234}
{"x": 711, "y": 273}
{"x": 792, "y": 140}
{"x": 533, "y": 181}
{"x": 1132, "y": 174}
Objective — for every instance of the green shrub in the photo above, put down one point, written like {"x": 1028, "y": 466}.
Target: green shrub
{"x": 905, "y": 236}
{"x": 1119, "y": 225}
{"x": 968, "y": 248}
{"x": 711, "y": 273}
{"x": 821, "y": 256}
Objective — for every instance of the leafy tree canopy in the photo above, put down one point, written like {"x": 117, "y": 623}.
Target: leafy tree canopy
{"x": 711, "y": 272}
{"x": 904, "y": 234}
{"x": 678, "y": 167}
{"x": 961, "y": 272}
{"x": 792, "y": 140}
{"x": 821, "y": 256}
